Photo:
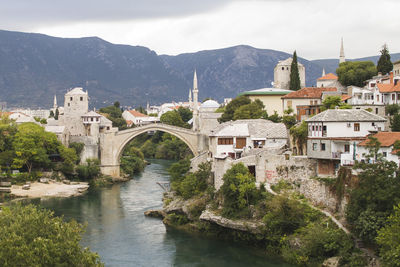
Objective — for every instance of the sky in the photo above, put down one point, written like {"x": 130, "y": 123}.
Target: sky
{"x": 313, "y": 28}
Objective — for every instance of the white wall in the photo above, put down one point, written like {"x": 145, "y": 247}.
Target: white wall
{"x": 341, "y": 129}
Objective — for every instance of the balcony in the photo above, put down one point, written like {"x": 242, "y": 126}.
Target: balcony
{"x": 336, "y": 155}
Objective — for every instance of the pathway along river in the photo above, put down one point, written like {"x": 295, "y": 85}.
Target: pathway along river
{"x": 123, "y": 236}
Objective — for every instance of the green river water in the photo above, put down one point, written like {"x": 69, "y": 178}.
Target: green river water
{"x": 123, "y": 236}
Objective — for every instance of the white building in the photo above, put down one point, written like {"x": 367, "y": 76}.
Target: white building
{"x": 232, "y": 138}
{"x": 208, "y": 118}
{"x": 138, "y": 118}
{"x": 387, "y": 140}
{"x": 282, "y": 74}
{"x": 332, "y": 135}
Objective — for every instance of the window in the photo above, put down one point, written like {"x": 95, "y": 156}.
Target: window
{"x": 81, "y": 98}
{"x": 356, "y": 127}
{"x": 393, "y": 96}
{"x": 346, "y": 148}
{"x": 314, "y": 146}
{"x": 377, "y": 98}
{"x": 313, "y": 128}
{"x": 283, "y": 68}
{"x": 384, "y": 154}
{"x": 373, "y": 124}
{"x": 322, "y": 146}
{"x": 70, "y": 98}
{"x": 69, "y": 104}
{"x": 225, "y": 141}
{"x": 289, "y": 103}
{"x": 376, "y": 111}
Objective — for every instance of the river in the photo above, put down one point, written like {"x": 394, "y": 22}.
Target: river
{"x": 123, "y": 236}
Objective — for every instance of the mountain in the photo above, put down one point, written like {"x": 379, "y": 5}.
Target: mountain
{"x": 226, "y": 72}
{"x": 35, "y": 67}
{"x": 331, "y": 65}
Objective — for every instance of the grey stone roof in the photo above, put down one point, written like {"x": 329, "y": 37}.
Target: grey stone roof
{"x": 346, "y": 115}
{"x": 258, "y": 128}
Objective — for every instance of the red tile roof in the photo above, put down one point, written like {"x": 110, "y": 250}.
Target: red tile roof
{"x": 388, "y": 88}
{"x": 137, "y": 113}
{"x": 309, "y": 92}
{"x": 329, "y": 76}
{"x": 386, "y": 139}
{"x": 345, "y": 97}
{"x": 129, "y": 123}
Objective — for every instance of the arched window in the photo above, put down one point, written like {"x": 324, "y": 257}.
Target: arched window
{"x": 283, "y": 68}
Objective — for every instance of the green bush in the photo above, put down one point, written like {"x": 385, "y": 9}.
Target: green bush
{"x": 89, "y": 171}
{"x": 238, "y": 191}
{"x": 314, "y": 243}
{"x": 33, "y": 237}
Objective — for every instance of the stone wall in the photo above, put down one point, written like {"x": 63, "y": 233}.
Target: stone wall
{"x": 271, "y": 168}
{"x": 91, "y": 148}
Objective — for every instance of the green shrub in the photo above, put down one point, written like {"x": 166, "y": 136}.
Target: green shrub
{"x": 89, "y": 171}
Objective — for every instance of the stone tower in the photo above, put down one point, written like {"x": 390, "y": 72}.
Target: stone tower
{"x": 55, "y": 103}
{"x": 76, "y": 104}
{"x": 190, "y": 99}
{"x": 342, "y": 58}
{"x": 282, "y": 74}
{"x": 195, "y": 103}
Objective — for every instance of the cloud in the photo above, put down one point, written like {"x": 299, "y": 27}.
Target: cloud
{"x": 312, "y": 27}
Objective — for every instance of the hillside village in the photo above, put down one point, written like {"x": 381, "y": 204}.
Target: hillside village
{"x": 334, "y": 137}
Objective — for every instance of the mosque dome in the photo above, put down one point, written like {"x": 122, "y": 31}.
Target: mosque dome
{"x": 210, "y": 104}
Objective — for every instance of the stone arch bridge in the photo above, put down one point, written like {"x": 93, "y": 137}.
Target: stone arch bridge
{"x": 113, "y": 143}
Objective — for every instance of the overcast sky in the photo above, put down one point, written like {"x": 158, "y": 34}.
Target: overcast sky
{"x": 312, "y": 27}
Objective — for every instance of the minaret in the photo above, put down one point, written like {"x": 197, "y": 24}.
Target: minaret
{"x": 196, "y": 103}
{"x": 323, "y": 72}
{"x": 55, "y": 102}
{"x": 342, "y": 58}
{"x": 190, "y": 99}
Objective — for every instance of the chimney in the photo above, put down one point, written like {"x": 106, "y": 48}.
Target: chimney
{"x": 391, "y": 77}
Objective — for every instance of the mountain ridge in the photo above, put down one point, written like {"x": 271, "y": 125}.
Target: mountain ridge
{"x": 34, "y": 67}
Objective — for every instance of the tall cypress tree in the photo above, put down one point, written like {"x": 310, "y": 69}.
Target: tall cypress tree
{"x": 384, "y": 63}
{"x": 294, "y": 74}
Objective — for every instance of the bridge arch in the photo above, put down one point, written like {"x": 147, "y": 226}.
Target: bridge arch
{"x": 112, "y": 143}
{"x": 130, "y": 137}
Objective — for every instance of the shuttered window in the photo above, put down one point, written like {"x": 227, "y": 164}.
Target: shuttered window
{"x": 240, "y": 142}
{"x": 225, "y": 141}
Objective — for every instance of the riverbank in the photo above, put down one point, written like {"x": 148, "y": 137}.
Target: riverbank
{"x": 50, "y": 189}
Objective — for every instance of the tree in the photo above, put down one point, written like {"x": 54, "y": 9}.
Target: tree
{"x": 372, "y": 200}
{"x": 173, "y": 118}
{"x": 142, "y": 110}
{"x": 384, "y": 64}
{"x": 69, "y": 158}
{"x": 33, "y": 237}
{"x": 254, "y": 110}
{"x": 114, "y": 114}
{"x": 132, "y": 161}
{"x": 392, "y": 109}
{"x": 238, "y": 190}
{"x": 275, "y": 117}
{"x": 51, "y": 114}
{"x": 331, "y": 102}
{"x": 299, "y": 134}
{"x": 395, "y": 123}
{"x": 57, "y": 114}
{"x": 355, "y": 72}
{"x": 294, "y": 74}
{"x": 185, "y": 113}
{"x": 232, "y": 107}
{"x": 32, "y": 146}
{"x": 388, "y": 239}
{"x": 89, "y": 171}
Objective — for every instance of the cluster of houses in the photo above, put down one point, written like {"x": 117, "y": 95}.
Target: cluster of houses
{"x": 336, "y": 137}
